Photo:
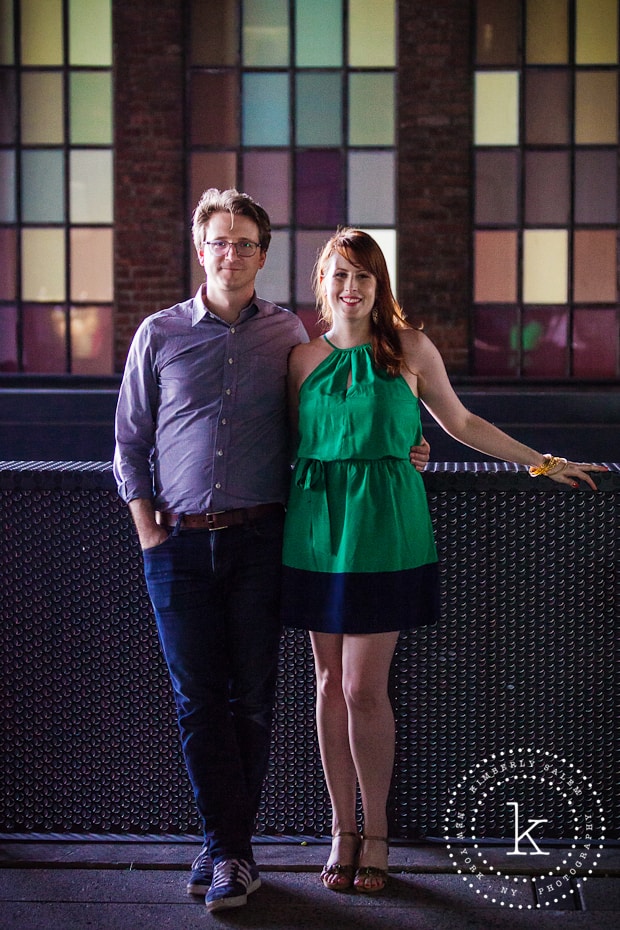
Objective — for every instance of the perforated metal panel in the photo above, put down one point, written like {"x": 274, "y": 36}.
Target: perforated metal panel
{"x": 524, "y": 658}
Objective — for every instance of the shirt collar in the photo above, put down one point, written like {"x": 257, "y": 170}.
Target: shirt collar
{"x": 200, "y": 309}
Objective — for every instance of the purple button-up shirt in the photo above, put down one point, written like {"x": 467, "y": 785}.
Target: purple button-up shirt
{"x": 201, "y": 422}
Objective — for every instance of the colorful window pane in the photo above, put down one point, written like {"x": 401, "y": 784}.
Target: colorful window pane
{"x": 213, "y": 34}
{"x": 496, "y": 341}
{"x": 8, "y": 263}
{"x": 214, "y": 109}
{"x": 45, "y": 339}
{"x": 91, "y": 340}
{"x": 265, "y": 109}
{"x": 547, "y": 188}
{"x": 91, "y": 265}
{"x": 319, "y": 187}
{"x": 267, "y": 176}
{"x": 308, "y": 246}
{"x": 9, "y": 356}
{"x": 42, "y": 114}
{"x": 371, "y": 109}
{"x": 495, "y": 267}
{"x": 545, "y": 266}
{"x": 43, "y": 264}
{"x": 595, "y": 343}
{"x": 8, "y": 108}
{"x": 596, "y": 186}
{"x": 546, "y": 41}
{"x": 497, "y": 187}
{"x": 265, "y": 33}
{"x": 544, "y": 340}
{"x": 211, "y": 169}
{"x": 318, "y": 103}
{"x": 496, "y": 119}
{"x": 90, "y": 108}
{"x": 547, "y": 107}
{"x": 90, "y": 32}
{"x": 41, "y": 32}
{"x": 595, "y": 266}
{"x": 273, "y": 281}
{"x": 7, "y": 32}
{"x": 372, "y": 34}
{"x": 497, "y": 32}
{"x": 43, "y": 186}
{"x": 318, "y": 34}
{"x": 596, "y": 108}
{"x": 7, "y": 186}
{"x": 596, "y": 32}
{"x": 91, "y": 196}
{"x": 372, "y": 182}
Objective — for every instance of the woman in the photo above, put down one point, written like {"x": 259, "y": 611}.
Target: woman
{"x": 359, "y": 556}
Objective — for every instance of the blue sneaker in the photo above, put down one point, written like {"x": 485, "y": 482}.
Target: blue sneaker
{"x": 202, "y": 873}
{"x": 233, "y": 881}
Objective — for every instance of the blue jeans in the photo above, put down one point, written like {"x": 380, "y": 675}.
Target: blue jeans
{"x": 216, "y": 597}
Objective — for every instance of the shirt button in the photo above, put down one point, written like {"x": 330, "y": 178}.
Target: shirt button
{"x": 220, "y": 452}
{"x": 228, "y": 391}
{"x": 224, "y": 421}
{"x": 232, "y": 329}
{"x": 218, "y": 485}
{"x": 230, "y": 361}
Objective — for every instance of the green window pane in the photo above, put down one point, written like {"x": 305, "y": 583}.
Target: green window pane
{"x": 496, "y": 108}
{"x": 545, "y": 266}
{"x": 92, "y": 340}
{"x": 42, "y": 110}
{"x": 265, "y": 109}
{"x": 495, "y": 267}
{"x": 90, "y": 111}
{"x": 7, "y": 56}
{"x": 43, "y": 264}
{"x": 43, "y": 186}
{"x": 90, "y": 32}
{"x": 41, "y": 32}
{"x": 372, "y": 177}
{"x": 7, "y": 186}
{"x": 318, "y": 106}
{"x": 596, "y": 41}
{"x": 213, "y": 32}
{"x": 91, "y": 194}
{"x": 546, "y": 39}
{"x": 596, "y": 108}
{"x": 45, "y": 339}
{"x": 318, "y": 34}
{"x": 497, "y": 32}
{"x": 273, "y": 282}
{"x": 372, "y": 33}
{"x": 371, "y": 109}
{"x": 8, "y": 108}
{"x": 265, "y": 33}
{"x": 91, "y": 264}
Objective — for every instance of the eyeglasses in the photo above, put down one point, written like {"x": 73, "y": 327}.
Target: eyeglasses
{"x": 244, "y": 248}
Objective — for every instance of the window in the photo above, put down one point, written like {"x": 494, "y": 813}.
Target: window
{"x": 56, "y": 187}
{"x": 294, "y": 102}
{"x": 546, "y": 189}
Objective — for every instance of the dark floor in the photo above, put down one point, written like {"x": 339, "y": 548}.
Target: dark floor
{"x": 74, "y": 885}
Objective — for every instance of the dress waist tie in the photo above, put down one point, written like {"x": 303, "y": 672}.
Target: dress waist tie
{"x": 311, "y": 479}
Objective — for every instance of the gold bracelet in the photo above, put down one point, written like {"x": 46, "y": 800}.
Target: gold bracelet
{"x": 550, "y": 464}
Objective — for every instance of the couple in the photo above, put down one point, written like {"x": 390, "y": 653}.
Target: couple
{"x": 202, "y": 459}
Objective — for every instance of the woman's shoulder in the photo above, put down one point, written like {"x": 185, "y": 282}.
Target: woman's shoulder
{"x": 306, "y": 356}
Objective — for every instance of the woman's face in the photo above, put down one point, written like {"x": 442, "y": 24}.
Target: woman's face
{"x": 350, "y": 290}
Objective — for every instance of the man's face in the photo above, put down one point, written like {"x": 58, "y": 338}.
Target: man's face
{"x": 230, "y": 272}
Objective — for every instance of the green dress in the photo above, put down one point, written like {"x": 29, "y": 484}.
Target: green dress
{"x": 359, "y": 553}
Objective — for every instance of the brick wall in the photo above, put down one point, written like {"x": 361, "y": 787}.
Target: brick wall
{"x": 434, "y": 125}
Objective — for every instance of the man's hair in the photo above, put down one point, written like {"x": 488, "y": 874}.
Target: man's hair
{"x": 235, "y": 203}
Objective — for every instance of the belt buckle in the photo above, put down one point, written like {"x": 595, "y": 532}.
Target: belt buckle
{"x": 209, "y": 517}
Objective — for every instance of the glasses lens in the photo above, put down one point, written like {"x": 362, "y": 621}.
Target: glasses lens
{"x": 244, "y": 249}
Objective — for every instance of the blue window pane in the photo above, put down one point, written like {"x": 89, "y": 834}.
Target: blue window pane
{"x": 43, "y": 186}
{"x": 318, "y": 33}
{"x": 265, "y": 109}
{"x": 318, "y": 105}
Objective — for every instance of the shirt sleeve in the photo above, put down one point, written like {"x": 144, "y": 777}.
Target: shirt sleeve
{"x": 136, "y": 418}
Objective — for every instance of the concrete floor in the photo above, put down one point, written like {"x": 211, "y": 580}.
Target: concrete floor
{"x": 74, "y": 885}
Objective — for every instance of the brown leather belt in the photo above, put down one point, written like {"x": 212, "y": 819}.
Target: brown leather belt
{"x": 220, "y": 519}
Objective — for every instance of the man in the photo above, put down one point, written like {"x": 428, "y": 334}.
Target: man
{"x": 202, "y": 459}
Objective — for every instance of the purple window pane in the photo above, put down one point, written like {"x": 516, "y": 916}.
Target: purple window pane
{"x": 544, "y": 338}
{"x": 44, "y": 339}
{"x": 213, "y": 113}
{"x": 310, "y": 318}
{"x": 496, "y": 340}
{"x": 596, "y": 187}
{"x": 8, "y": 264}
{"x": 266, "y": 178}
{"x": 595, "y": 343}
{"x": 92, "y": 341}
{"x": 547, "y": 107}
{"x": 319, "y": 188}
{"x": 547, "y": 188}
{"x": 8, "y": 339}
{"x": 496, "y": 188}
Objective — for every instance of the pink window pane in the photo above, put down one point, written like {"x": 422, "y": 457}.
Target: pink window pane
{"x": 596, "y": 186}
{"x": 310, "y": 318}
{"x": 544, "y": 338}
{"x": 319, "y": 185}
{"x": 495, "y": 272}
{"x": 8, "y": 260}
{"x": 8, "y": 339}
{"x": 497, "y": 176}
{"x": 547, "y": 107}
{"x": 496, "y": 341}
{"x": 45, "y": 334}
{"x": 266, "y": 178}
{"x": 595, "y": 267}
{"x": 547, "y": 188}
{"x": 91, "y": 341}
{"x": 213, "y": 110}
{"x": 595, "y": 343}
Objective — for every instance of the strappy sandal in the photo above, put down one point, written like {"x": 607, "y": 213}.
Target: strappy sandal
{"x": 366, "y": 873}
{"x": 339, "y": 877}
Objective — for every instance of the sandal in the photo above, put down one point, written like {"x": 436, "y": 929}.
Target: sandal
{"x": 339, "y": 877}
{"x": 368, "y": 878}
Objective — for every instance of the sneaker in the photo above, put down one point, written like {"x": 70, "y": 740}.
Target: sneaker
{"x": 202, "y": 873}
{"x": 233, "y": 881}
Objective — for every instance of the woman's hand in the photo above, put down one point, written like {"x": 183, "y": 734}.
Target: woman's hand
{"x": 419, "y": 455}
{"x": 565, "y": 472}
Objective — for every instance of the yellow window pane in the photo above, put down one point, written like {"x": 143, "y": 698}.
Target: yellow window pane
{"x": 546, "y": 41}
{"x": 42, "y": 110}
{"x": 43, "y": 264}
{"x": 545, "y": 266}
{"x": 41, "y": 32}
{"x": 6, "y": 32}
{"x": 595, "y": 266}
{"x": 497, "y": 108}
{"x": 371, "y": 109}
{"x": 91, "y": 264}
{"x": 596, "y": 41}
{"x": 90, "y": 110}
{"x": 90, "y": 32}
{"x": 596, "y": 108}
{"x": 372, "y": 33}
{"x": 495, "y": 267}
{"x": 92, "y": 340}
